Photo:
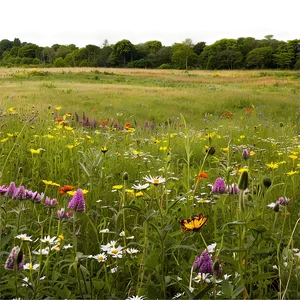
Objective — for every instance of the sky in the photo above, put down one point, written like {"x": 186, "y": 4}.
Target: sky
{"x": 100, "y": 32}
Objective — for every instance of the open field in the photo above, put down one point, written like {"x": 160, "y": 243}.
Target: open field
{"x": 150, "y": 183}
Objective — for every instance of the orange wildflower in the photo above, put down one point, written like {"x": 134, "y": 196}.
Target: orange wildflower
{"x": 104, "y": 122}
{"x": 59, "y": 120}
{"x": 202, "y": 175}
{"x": 65, "y": 189}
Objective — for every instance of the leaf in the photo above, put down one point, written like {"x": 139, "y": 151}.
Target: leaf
{"x": 204, "y": 291}
{"x": 187, "y": 247}
{"x": 133, "y": 207}
{"x": 84, "y": 169}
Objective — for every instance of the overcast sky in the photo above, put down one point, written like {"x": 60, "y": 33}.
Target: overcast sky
{"x": 144, "y": 31}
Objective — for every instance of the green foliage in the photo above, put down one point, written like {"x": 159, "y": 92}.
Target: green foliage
{"x": 259, "y": 57}
{"x": 59, "y": 62}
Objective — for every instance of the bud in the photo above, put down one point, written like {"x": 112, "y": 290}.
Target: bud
{"x": 125, "y": 176}
{"x": 276, "y": 207}
{"x": 211, "y": 151}
{"x": 217, "y": 267}
{"x": 267, "y": 182}
{"x": 281, "y": 124}
{"x": 245, "y": 154}
{"x": 244, "y": 181}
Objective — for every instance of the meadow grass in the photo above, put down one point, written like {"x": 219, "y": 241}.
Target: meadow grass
{"x": 119, "y": 156}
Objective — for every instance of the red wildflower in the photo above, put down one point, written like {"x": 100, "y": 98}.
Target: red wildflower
{"x": 224, "y": 114}
{"x": 66, "y": 188}
{"x": 104, "y": 122}
{"x": 94, "y": 110}
{"x": 248, "y": 111}
{"x": 202, "y": 175}
{"x": 59, "y": 120}
{"x": 230, "y": 114}
{"x": 127, "y": 125}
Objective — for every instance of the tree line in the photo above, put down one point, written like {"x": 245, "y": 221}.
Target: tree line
{"x": 241, "y": 53}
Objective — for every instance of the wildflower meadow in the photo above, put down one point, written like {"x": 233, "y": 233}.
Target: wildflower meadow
{"x": 148, "y": 184}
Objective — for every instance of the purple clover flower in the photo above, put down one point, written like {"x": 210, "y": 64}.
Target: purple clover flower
{"x": 245, "y": 154}
{"x": 219, "y": 186}
{"x": 15, "y": 260}
{"x": 284, "y": 201}
{"x": 20, "y": 193}
{"x": 233, "y": 189}
{"x": 3, "y": 189}
{"x": 50, "y": 202}
{"x": 62, "y": 215}
{"x": 11, "y": 190}
{"x": 203, "y": 263}
{"x": 77, "y": 202}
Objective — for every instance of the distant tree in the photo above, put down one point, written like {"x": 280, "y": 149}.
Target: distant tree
{"x": 30, "y": 51}
{"x": 103, "y": 57}
{"x": 62, "y": 51}
{"x": 5, "y": 45}
{"x": 14, "y": 51}
{"x": 93, "y": 53}
{"x": 59, "y": 62}
{"x": 17, "y": 42}
{"x": 123, "y": 48}
{"x": 55, "y": 47}
{"x": 162, "y": 56}
{"x": 259, "y": 57}
{"x": 48, "y": 55}
{"x": 295, "y": 45}
{"x": 153, "y": 46}
{"x": 284, "y": 55}
{"x": 105, "y": 43}
{"x": 198, "y": 48}
{"x": 183, "y": 55}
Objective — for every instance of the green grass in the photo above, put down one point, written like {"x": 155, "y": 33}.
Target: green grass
{"x": 174, "y": 118}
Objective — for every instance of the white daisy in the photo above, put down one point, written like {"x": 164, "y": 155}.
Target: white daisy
{"x": 31, "y": 267}
{"x": 211, "y": 248}
{"x": 44, "y": 251}
{"x": 100, "y": 257}
{"x": 108, "y": 246}
{"x": 116, "y": 252}
{"x": 49, "y": 240}
{"x": 140, "y": 186}
{"x": 114, "y": 270}
{"x": 136, "y": 298}
{"x": 67, "y": 246}
{"x": 24, "y": 237}
{"x": 132, "y": 251}
{"x": 155, "y": 180}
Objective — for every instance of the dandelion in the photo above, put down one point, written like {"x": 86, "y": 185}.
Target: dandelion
{"x": 31, "y": 267}
{"x": 15, "y": 260}
{"x": 219, "y": 187}
{"x": 24, "y": 238}
{"x": 155, "y": 180}
{"x": 77, "y": 202}
{"x": 102, "y": 257}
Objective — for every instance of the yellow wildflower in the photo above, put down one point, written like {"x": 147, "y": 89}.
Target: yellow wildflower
{"x": 68, "y": 128}
{"x": 58, "y": 108}
{"x": 252, "y": 153}
{"x": 291, "y": 173}
{"x": 70, "y": 146}
{"x": 139, "y": 194}
{"x": 272, "y": 165}
{"x": 225, "y": 149}
{"x": 3, "y": 140}
{"x": 33, "y": 151}
{"x": 293, "y": 157}
{"x": 117, "y": 187}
